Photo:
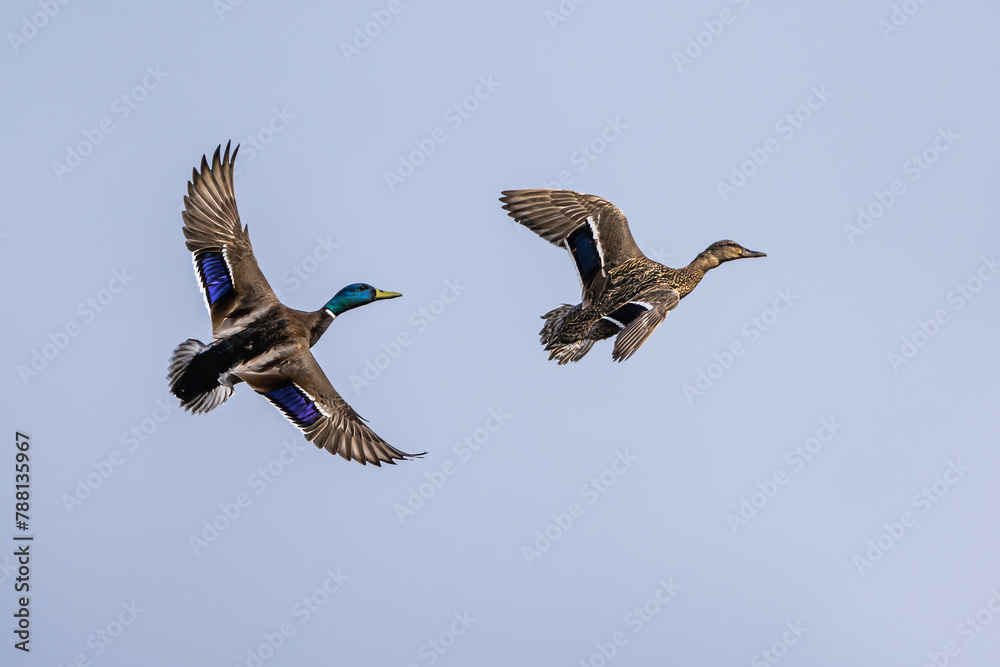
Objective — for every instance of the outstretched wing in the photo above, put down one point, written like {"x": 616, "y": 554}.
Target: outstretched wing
{"x": 224, "y": 263}
{"x": 302, "y": 392}
{"x": 638, "y": 318}
{"x": 593, "y": 230}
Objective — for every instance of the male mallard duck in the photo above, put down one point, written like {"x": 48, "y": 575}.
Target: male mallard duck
{"x": 624, "y": 292}
{"x": 255, "y": 338}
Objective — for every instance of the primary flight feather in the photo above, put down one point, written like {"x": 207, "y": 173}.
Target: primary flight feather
{"x": 625, "y": 294}
{"x": 255, "y": 338}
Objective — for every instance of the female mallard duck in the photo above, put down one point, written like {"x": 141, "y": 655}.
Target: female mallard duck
{"x": 624, "y": 292}
{"x": 255, "y": 338}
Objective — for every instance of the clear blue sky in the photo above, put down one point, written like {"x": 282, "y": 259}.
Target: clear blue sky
{"x": 801, "y": 460}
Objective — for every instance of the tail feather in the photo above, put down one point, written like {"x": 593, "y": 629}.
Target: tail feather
{"x": 564, "y": 353}
{"x": 199, "y": 389}
{"x": 560, "y": 350}
{"x": 554, "y": 320}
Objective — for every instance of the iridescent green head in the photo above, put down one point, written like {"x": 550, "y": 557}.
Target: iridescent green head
{"x": 356, "y": 295}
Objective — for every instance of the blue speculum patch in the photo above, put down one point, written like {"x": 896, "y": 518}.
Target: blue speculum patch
{"x": 584, "y": 250}
{"x": 214, "y": 275}
{"x": 299, "y": 408}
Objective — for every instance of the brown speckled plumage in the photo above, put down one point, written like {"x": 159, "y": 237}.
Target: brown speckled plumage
{"x": 625, "y": 294}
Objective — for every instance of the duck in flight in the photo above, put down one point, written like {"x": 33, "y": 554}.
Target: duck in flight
{"x": 625, "y": 294}
{"x": 255, "y": 338}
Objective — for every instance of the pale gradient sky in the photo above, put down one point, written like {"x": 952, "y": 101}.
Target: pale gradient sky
{"x": 824, "y": 109}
